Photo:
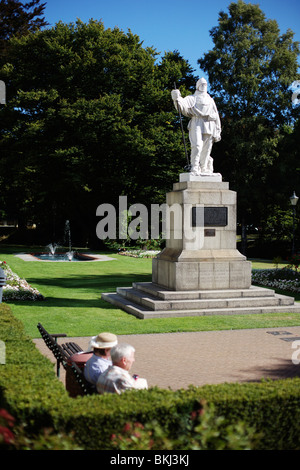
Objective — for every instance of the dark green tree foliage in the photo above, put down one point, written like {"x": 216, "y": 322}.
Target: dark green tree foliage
{"x": 17, "y": 19}
{"x": 89, "y": 118}
{"x": 250, "y": 69}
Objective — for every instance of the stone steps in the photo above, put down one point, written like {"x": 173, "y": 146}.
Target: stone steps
{"x": 187, "y": 304}
{"x": 165, "y": 294}
{"x": 148, "y": 300}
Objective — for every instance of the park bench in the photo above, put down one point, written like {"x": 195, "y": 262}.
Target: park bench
{"x": 86, "y": 387}
{"x": 63, "y": 354}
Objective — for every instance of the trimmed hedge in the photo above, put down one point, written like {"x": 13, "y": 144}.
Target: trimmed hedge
{"x": 30, "y": 391}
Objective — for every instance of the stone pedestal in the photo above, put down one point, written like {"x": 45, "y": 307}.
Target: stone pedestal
{"x": 200, "y": 248}
{"x": 200, "y": 272}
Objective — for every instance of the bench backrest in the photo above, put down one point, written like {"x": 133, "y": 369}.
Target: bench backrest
{"x": 58, "y": 352}
{"x": 87, "y": 387}
{"x": 62, "y": 354}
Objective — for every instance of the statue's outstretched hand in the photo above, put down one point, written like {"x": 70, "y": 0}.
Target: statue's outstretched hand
{"x": 175, "y": 94}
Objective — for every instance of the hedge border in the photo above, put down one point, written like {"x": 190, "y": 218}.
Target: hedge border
{"x": 30, "y": 391}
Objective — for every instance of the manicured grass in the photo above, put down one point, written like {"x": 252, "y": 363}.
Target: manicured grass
{"x": 73, "y": 302}
{"x": 266, "y": 264}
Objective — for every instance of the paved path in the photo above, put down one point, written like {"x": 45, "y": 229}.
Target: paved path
{"x": 176, "y": 360}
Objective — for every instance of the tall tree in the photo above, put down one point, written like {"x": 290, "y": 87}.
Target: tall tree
{"x": 89, "y": 119}
{"x": 250, "y": 69}
{"x": 17, "y": 19}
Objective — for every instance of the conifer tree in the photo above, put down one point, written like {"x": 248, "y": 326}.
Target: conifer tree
{"x": 17, "y": 19}
{"x": 250, "y": 70}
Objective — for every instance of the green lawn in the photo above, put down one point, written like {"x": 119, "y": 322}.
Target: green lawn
{"x": 73, "y": 302}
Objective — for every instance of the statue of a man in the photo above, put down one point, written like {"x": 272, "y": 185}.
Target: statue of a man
{"x": 204, "y": 126}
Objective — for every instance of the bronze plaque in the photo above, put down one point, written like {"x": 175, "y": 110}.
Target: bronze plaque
{"x": 213, "y": 216}
{"x": 209, "y": 232}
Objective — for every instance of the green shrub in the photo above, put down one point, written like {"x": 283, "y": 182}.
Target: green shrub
{"x": 201, "y": 429}
{"x": 16, "y": 437}
{"x": 237, "y": 413}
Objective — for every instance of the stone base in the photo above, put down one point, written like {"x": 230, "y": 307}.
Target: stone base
{"x": 201, "y": 270}
{"x": 214, "y": 177}
{"x": 149, "y": 300}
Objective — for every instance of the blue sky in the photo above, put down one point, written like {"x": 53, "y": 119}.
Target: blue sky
{"x": 168, "y": 25}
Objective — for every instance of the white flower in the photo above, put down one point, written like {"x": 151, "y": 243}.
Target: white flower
{"x": 17, "y": 288}
{"x": 284, "y": 279}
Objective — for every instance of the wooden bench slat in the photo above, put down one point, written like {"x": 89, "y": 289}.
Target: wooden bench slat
{"x": 61, "y": 352}
{"x": 87, "y": 387}
{"x": 71, "y": 348}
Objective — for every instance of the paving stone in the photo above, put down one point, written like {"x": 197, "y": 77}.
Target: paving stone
{"x": 177, "y": 360}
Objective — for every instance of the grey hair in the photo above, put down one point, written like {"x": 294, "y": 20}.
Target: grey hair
{"x": 121, "y": 350}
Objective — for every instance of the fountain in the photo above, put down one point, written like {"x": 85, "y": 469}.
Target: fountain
{"x": 67, "y": 237}
{"x": 69, "y": 255}
{"x": 52, "y": 248}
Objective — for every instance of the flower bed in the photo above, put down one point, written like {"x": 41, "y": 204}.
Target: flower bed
{"x": 284, "y": 279}
{"x": 17, "y": 288}
{"x": 140, "y": 253}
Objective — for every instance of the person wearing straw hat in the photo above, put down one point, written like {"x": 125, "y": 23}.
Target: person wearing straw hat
{"x": 100, "y": 360}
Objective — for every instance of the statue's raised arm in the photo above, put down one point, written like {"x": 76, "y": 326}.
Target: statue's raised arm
{"x": 204, "y": 126}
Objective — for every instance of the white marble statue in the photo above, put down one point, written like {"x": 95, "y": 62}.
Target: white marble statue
{"x": 204, "y": 126}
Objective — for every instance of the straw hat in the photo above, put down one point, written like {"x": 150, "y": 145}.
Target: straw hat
{"x": 103, "y": 340}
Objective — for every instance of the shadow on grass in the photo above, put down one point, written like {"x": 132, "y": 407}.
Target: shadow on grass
{"x": 64, "y": 303}
{"x": 91, "y": 281}
{"x": 80, "y": 286}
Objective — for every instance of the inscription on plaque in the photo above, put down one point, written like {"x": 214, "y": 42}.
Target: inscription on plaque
{"x": 209, "y": 232}
{"x": 213, "y": 216}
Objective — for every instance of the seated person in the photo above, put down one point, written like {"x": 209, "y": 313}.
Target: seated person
{"x": 116, "y": 379}
{"x": 100, "y": 359}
